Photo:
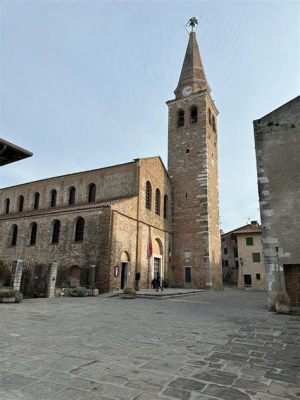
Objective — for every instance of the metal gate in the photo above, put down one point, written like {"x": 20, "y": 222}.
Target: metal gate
{"x": 292, "y": 283}
{"x": 34, "y": 281}
{"x": 5, "y": 273}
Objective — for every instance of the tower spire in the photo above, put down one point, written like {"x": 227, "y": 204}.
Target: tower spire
{"x": 192, "y": 77}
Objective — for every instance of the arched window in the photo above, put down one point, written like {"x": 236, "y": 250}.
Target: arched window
{"x": 214, "y": 123}
{"x": 72, "y": 194}
{"x": 165, "y": 206}
{"x": 7, "y": 204}
{"x": 79, "y": 230}
{"x": 36, "y": 201}
{"x": 180, "y": 118}
{"x": 148, "y": 195}
{"x": 55, "y": 231}
{"x": 194, "y": 115}
{"x": 14, "y": 236}
{"x": 33, "y": 234}
{"x": 53, "y": 197}
{"x": 209, "y": 116}
{"x": 157, "y": 202}
{"x": 92, "y": 193}
{"x": 21, "y": 203}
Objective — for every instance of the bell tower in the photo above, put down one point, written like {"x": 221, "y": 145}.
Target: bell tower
{"x": 193, "y": 169}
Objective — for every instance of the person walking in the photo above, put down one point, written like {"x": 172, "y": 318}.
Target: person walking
{"x": 158, "y": 282}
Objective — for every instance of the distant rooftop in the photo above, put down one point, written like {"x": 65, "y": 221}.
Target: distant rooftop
{"x": 10, "y": 152}
{"x": 254, "y": 227}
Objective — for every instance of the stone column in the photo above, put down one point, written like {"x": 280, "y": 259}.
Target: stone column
{"x": 17, "y": 274}
{"x": 52, "y": 279}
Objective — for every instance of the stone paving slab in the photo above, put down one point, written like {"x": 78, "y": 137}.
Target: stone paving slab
{"x": 208, "y": 345}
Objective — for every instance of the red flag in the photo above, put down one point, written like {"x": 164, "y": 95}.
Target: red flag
{"x": 150, "y": 250}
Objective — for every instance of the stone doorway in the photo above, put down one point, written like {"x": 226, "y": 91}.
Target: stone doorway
{"x": 124, "y": 274}
{"x": 247, "y": 281}
{"x": 292, "y": 283}
{"x": 187, "y": 277}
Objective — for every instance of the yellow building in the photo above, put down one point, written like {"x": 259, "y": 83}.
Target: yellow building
{"x": 251, "y": 266}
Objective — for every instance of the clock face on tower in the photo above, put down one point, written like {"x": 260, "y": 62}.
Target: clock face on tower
{"x": 186, "y": 90}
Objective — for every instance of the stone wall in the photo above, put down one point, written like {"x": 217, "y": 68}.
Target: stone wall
{"x": 193, "y": 169}
{"x": 277, "y": 144}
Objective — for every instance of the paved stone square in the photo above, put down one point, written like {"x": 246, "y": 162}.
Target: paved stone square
{"x": 211, "y": 345}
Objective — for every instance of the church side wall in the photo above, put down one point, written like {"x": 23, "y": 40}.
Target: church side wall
{"x": 91, "y": 251}
{"x": 112, "y": 182}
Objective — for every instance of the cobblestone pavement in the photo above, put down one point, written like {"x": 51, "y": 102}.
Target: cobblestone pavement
{"x": 212, "y": 345}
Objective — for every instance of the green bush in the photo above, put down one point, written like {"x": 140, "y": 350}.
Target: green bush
{"x": 18, "y": 297}
{"x": 10, "y": 293}
{"x": 79, "y": 292}
{"x": 128, "y": 290}
{"x": 6, "y": 293}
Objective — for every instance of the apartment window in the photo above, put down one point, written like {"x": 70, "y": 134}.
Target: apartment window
{"x": 226, "y": 263}
{"x": 256, "y": 257}
{"x": 235, "y": 252}
{"x": 249, "y": 241}
{"x": 236, "y": 264}
{"x": 225, "y": 250}
{"x": 258, "y": 277}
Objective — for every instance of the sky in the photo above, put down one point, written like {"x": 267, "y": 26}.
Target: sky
{"x": 84, "y": 83}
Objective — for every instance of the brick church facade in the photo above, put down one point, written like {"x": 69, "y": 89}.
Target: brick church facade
{"x": 133, "y": 218}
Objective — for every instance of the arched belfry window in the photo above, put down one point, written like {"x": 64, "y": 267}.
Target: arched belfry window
{"x": 209, "y": 116}
{"x": 33, "y": 234}
{"x": 72, "y": 194}
{"x": 157, "y": 202}
{"x": 180, "y": 118}
{"x": 148, "y": 195}
{"x": 7, "y": 204}
{"x": 14, "y": 236}
{"x": 214, "y": 123}
{"x": 21, "y": 203}
{"x": 92, "y": 193}
{"x": 165, "y": 206}
{"x": 53, "y": 198}
{"x": 36, "y": 201}
{"x": 194, "y": 115}
{"x": 55, "y": 231}
{"x": 79, "y": 230}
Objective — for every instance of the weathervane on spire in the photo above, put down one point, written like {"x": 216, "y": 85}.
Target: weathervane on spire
{"x": 192, "y": 23}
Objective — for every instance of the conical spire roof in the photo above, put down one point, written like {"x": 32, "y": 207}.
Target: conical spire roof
{"x": 192, "y": 72}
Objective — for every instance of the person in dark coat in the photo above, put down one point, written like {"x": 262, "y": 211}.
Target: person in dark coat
{"x": 158, "y": 282}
